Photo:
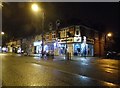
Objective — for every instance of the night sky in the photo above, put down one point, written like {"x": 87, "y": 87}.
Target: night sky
{"x": 18, "y": 20}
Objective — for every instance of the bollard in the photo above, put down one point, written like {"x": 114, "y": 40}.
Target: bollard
{"x": 67, "y": 56}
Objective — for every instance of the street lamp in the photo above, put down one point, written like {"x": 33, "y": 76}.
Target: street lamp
{"x": 36, "y": 8}
{"x": 108, "y": 35}
{"x": 2, "y": 33}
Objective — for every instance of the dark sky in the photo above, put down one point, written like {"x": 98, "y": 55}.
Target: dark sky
{"x": 19, "y": 21}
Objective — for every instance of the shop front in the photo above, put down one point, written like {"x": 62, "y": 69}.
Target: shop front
{"x": 37, "y": 47}
{"x": 76, "y": 46}
{"x": 62, "y": 48}
{"x": 49, "y": 48}
{"x": 65, "y": 45}
{"x": 83, "y": 47}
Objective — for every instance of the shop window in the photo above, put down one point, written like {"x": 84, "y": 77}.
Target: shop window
{"x": 69, "y": 34}
{"x": 54, "y": 36}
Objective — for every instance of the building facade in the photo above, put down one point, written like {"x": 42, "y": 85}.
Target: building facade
{"x": 14, "y": 46}
{"x": 73, "y": 41}
{"x": 78, "y": 40}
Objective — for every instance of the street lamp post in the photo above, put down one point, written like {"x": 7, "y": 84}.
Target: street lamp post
{"x": 108, "y": 35}
{"x": 66, "y": 51}
{"x": 1, "y": 36}
{"x": 36, "y": 8}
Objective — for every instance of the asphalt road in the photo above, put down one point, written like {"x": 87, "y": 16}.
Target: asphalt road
{"x": 20, "y": 70}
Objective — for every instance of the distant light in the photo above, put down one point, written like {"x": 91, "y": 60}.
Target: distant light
{"x": 1, "y": 4}
{"x": 109, "y": 34}
{"x": 2, "y": 33}
{"x": 4, "y": 49}
{"x": 19, "y": 50}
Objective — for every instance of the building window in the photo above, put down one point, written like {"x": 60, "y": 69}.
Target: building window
{"x": 77, "y": 32}
{"x": 83, "y": 31}
{"x": 58, "y": 35}
{"x": 53, "y": 36}
{"x": 47, "y": 37}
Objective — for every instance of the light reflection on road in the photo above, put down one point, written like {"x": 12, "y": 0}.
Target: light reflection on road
{"x": 83, "y": 80}
{"x": 84, "y": 61}
{"x": 109, "y": 70}
{"x": 37, "y": 65}
{"x": 38, "y": 71}
{"x": 108, "y": 62}
{"x": 109, "y": 66}
{"x": 109, "y": 84}
{"x": 3, "y": 54}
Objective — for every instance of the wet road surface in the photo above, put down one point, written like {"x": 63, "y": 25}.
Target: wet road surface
{"x": 30, "y": 71}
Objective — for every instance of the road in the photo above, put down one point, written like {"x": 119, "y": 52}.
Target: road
{"x": 20, "y": 70}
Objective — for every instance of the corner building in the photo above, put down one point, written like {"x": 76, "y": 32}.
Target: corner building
{"x": 79, "y": 40}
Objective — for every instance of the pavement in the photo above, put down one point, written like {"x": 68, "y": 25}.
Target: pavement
{"x": 64, "y": 58}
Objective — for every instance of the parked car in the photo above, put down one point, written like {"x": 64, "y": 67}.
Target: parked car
{"x": 112, "y": 55}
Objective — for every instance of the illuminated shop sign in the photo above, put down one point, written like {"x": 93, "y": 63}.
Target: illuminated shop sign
{"x": 68, "y": 40}
{"x": 77, "y": 39}
{"x": 37, "y": 43}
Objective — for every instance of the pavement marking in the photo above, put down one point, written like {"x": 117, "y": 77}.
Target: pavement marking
{"x": 108, "y": 83}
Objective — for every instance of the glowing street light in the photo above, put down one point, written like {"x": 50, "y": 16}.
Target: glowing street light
{"x": 109, "y": 34}
{"x": 2, "y": 33}
{"x": 107, "y": 37}
{"x": 35, "y": 7}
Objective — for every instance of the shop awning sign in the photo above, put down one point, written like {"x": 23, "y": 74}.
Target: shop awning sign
{"x": 69, "y": 40}
{"x": 77, "y": 39}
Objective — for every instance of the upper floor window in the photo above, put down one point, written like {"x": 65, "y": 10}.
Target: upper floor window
{"x": 53, "y": 36}
{"x": 77, "y": 32}
{"x": 47, "y": 36}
